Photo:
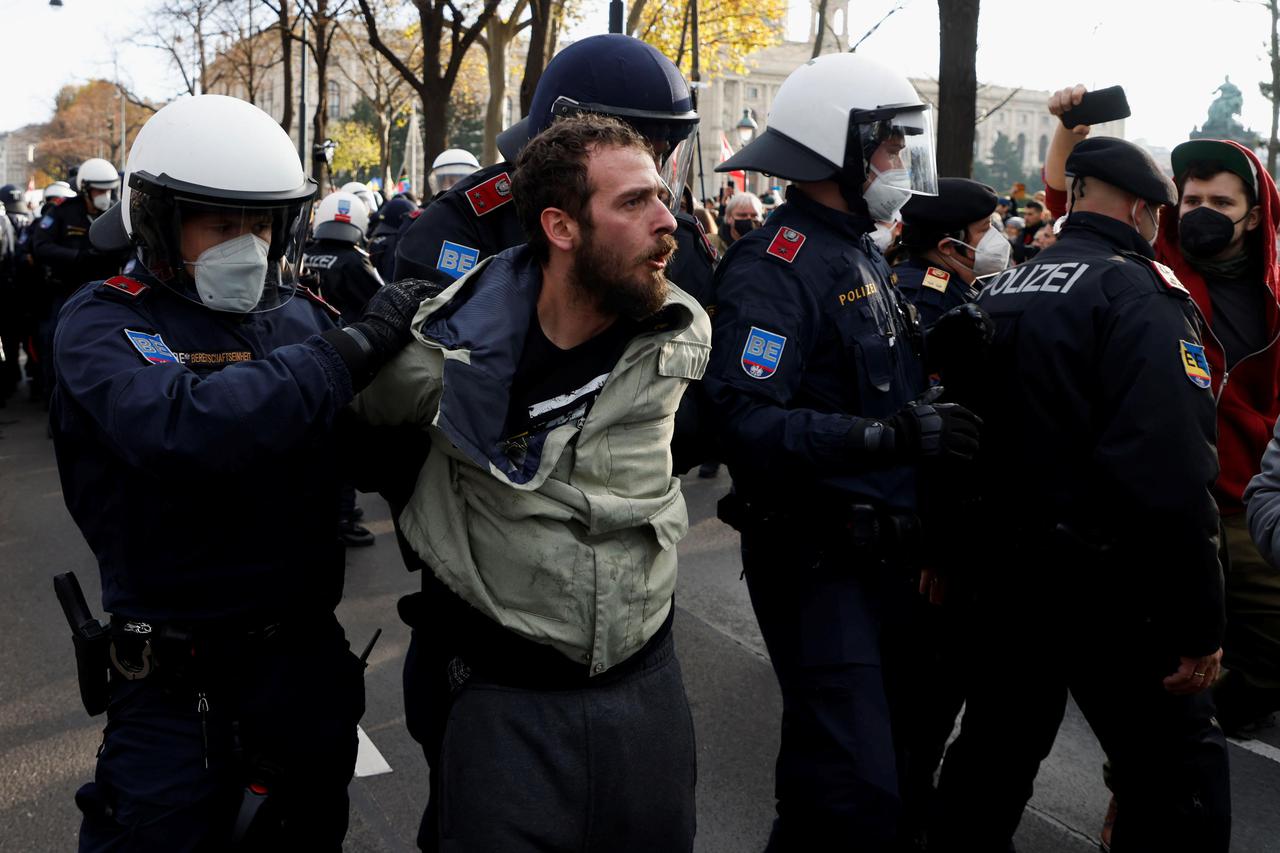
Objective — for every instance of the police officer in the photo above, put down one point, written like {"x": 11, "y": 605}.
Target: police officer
{"x": 60, "y": 243}
{"x": 192, "y": 423}
{"x": 15, "y": 280}
{"x": 451, "y": 166}
{"x": 1102, "y": 576}
{"x": 608, "y": 74}
{"x": 366, "y": 196}
{"x": 386, "y": 235}
{"x": 816, "y": 384}
{"x": 950, "y": 246}
{"x": 346, "y": 280}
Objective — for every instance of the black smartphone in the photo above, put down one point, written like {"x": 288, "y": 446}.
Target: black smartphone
{"x": 1096, "y": 107}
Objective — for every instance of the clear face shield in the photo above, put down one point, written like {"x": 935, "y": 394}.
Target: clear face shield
{"x": 229, "y": 257}
{"x": 898, "y": 148}
{"x": 445, "y": 177}
{"x": 672, "y": 137}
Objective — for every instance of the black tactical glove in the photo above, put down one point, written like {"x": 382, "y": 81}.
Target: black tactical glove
{"x": 962, "y": 334}
{"x": 920, "y": 430}
{"x": 382, "y": 330}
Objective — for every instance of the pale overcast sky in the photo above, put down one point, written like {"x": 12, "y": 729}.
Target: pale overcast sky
{"x": 1169, "y": 55}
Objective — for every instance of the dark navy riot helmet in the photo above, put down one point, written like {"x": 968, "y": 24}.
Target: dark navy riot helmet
{"x": 619, "y": 76}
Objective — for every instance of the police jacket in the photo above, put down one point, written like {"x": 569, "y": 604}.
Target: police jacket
{"x": 60, "y": 241}
{"x": 195, "y": 453}
{"x": 809, "y": 333}
{"x": 933, "y": 290}
{"x": 347, "y": 280}
{"x": 475, "y": 219}
{"x": 382, "y": 249}
{"x": 571, "y": 541}
{"x": 1099, "y": 421}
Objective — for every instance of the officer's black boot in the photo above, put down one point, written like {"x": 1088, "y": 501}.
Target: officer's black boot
{"x": 354, "y": 535}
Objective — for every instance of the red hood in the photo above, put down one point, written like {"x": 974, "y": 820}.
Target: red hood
{"x": 1249, "y": 405}
{"x": 1168, "y": 252}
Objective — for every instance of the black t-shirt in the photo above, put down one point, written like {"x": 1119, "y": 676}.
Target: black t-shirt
{"x": 1239, "y": 315}
{"x": 554, "y": 386}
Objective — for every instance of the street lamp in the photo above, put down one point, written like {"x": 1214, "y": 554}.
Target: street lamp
{"x": 746, "y": 128}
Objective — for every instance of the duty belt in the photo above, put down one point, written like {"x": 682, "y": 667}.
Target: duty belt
{"x": 138, "y": 647}
{"x": 863, "y": 526}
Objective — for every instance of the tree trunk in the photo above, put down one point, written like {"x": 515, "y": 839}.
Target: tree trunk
{"x": 497, "y": 62}
{"x": 536, "y": 60}
{"x": 286, "y": 58}
{"x": 957, "y": 86}
{"x": 320, "y": 119}
{"x": 1273, "y": 144}
{"x": 435, "y": 130}
{"x": 820, "y": 30}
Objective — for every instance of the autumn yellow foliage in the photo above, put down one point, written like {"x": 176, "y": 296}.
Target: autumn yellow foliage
{"x": 728, "y": 30}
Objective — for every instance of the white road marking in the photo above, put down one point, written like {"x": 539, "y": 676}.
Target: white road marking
{"x": 369, "y": 762}
{"x": 1257, "y": 747}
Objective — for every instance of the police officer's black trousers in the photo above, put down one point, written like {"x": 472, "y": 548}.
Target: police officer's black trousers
{"x": 289, "y": 703}
{"x": 836, "y": 783}
{"x": 1080, "y": 635}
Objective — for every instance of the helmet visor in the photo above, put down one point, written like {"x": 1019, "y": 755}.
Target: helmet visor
{"x": 670, "y": 133}
{"x": 897, "y": 143}
{"x": 444, "y": 177}
{"x": 227, "y": 256}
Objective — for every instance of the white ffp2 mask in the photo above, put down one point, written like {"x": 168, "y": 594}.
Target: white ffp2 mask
{"x": 231, "y": 275}
{"x": 887, "y": 193}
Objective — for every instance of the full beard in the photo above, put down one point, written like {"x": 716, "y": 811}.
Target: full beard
{"x": 622, "y": 287}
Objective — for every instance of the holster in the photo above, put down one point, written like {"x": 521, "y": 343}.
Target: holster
{"x": 92, "y": 643}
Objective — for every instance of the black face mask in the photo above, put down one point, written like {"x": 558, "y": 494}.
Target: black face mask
{"x": 1204, "y": 232}
{"x": 741, "y": 227}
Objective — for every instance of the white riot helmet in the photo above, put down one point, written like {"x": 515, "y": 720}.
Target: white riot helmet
{"x": 98, "y": 180}
{"x": 363, "y": 193}
{"x": 216, "y": 202}
{"x": 845, "y": 117}
{"x": 341, "y": 216}
{"x": 451, "y": 166}
{"x": 57, "y": 191}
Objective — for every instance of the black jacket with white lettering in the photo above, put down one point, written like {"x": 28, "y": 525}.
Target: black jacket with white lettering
{"x": 1099, "y": 426}
{"x": 347, "y": 279}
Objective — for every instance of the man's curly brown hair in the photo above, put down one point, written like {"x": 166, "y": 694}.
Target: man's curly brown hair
{"x": 552, "y": 171}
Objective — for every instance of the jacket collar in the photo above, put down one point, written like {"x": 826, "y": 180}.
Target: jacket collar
{"x": 1120, "y": 235}
{"x": 481, "y": 321}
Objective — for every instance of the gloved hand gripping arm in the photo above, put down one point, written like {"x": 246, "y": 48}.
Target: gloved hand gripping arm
{"x": 923, "y": 429}
{"x": 382, "y": 330}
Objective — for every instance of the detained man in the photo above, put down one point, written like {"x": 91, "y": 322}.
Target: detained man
{"x": 545, "y": 517}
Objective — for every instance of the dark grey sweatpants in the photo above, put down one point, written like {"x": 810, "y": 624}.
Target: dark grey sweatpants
{"x": 602, "y": 768}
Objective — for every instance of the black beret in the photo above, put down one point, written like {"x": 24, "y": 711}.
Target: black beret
{"x": 1123, "y": 165}
{"x": 959, "y": 203}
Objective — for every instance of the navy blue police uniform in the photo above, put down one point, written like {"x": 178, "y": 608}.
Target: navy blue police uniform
{"x": 1098, "y": 458}
{"x": 345, "y": 274}
{"x": 195, "y": 452}
{"x": 386, "y": 236}
{"x": 809, "y": 336}
{"x": 933, "y": 290}
{"x": 60, "y": 245}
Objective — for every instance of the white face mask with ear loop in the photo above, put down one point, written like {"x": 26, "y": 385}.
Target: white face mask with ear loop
{"x": 887, "y": 193}
{"x": 101, "y": 201}
{"x": 232, "y": 275}
{"x": 991, "y": 255}
{"x": 1155, "y": 223}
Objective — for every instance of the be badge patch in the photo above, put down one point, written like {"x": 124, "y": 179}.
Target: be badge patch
{"x": 456, "y": 260}
{"x": 762, "y": 353}
{"x": 151, "y": 347}
{"x": 1195, "y": 364}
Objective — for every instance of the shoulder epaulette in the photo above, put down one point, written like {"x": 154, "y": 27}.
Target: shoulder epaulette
{"x": 123, "y": 284}
{"x": 308, "y": 293}
{"x": 936, "y": 279}
{"x": 1169, "y": 277}
{"x": 492, "y": 194}
{"x": 786, "y": 244}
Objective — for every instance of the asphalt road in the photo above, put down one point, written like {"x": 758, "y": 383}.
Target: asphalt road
{"x": 47, "y": 743}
